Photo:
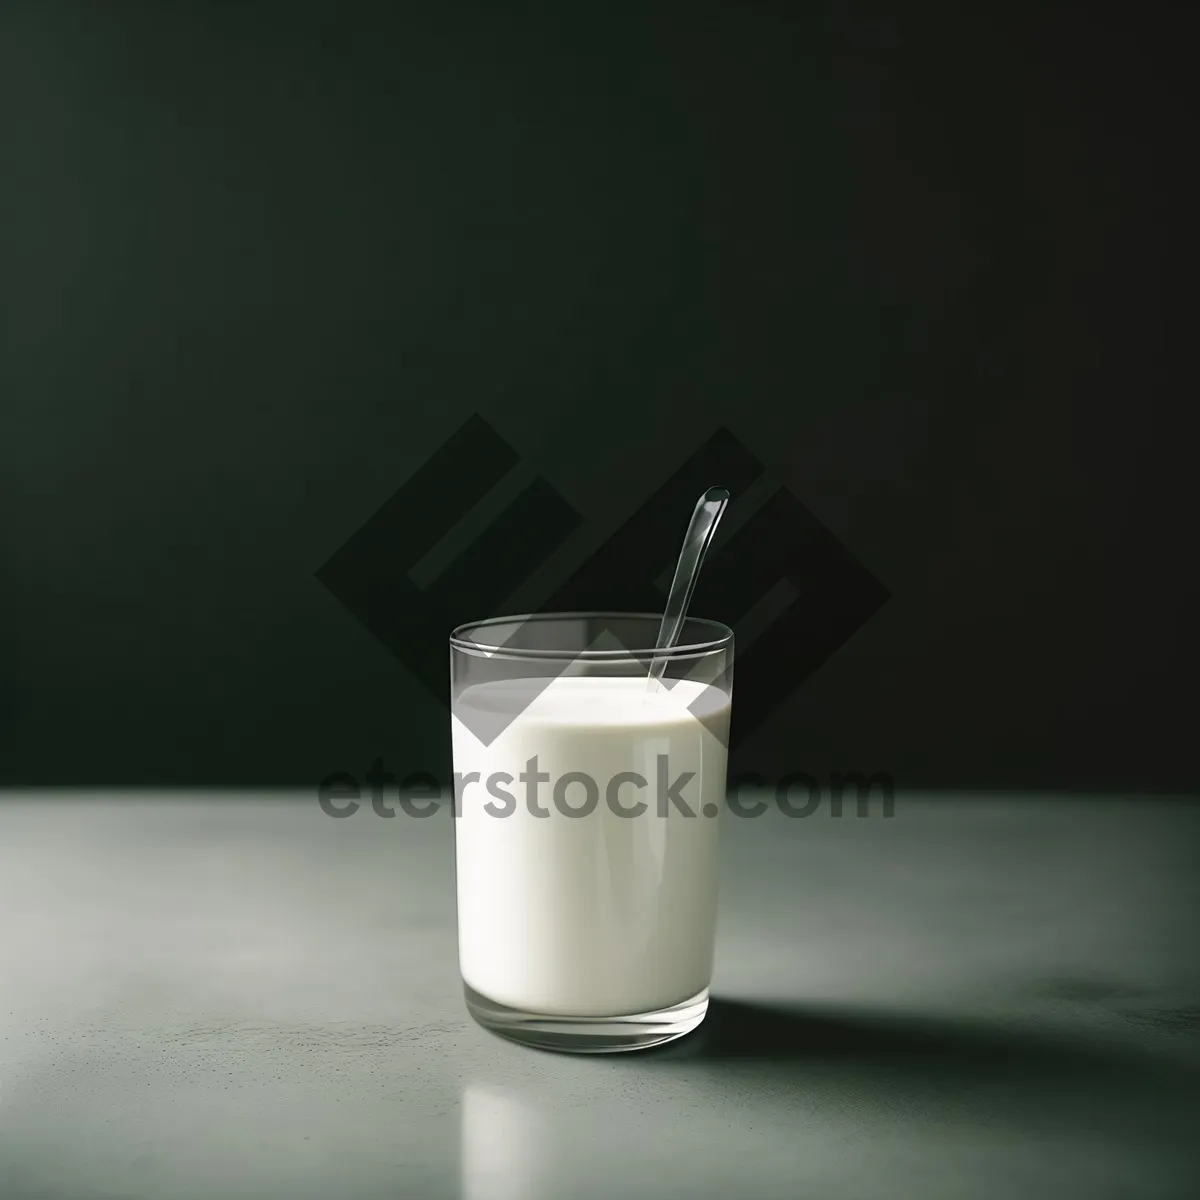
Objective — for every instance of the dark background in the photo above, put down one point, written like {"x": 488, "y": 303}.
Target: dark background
{"x": 258, "y": 263}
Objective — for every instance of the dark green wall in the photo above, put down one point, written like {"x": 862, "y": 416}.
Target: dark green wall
{"x": 259, "y": 262}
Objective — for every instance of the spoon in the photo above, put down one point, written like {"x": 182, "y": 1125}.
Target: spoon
{"x": 699, "y": 536}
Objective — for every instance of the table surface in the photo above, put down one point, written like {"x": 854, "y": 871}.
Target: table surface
{"x": 239, "y": 996}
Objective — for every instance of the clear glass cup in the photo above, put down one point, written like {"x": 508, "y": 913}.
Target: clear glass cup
{"x": 587, "y": 804}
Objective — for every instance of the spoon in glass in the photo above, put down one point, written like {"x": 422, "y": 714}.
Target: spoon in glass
{"x": 699, "y": 536}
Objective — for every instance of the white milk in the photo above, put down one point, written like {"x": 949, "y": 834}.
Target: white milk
{"x": 601, "y": 914}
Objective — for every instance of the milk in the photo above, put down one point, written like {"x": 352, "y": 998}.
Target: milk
{"x": 599, "y": 914}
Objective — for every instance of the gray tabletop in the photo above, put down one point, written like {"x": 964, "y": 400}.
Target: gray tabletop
{"x": 237, "y": 995}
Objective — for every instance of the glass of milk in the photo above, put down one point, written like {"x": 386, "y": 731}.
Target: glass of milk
{"x": 587, "y": 804}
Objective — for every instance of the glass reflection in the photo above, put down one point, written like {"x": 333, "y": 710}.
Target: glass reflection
{"x": 506, "y": 1145}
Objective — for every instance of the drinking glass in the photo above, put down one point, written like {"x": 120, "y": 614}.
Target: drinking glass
{"x": 587, "y": 804}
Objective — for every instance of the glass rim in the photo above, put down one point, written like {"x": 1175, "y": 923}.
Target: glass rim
{"x": 722, "y": 639}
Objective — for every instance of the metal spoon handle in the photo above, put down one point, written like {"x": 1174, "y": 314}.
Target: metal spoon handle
{"x": 703, "y": 525}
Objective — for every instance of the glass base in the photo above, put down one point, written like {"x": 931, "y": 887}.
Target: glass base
{"x": 588, "y": 1035}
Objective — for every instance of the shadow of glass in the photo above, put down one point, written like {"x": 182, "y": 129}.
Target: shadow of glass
{"x": 945, "y": 1066}
{"x": 778, "y": 1033}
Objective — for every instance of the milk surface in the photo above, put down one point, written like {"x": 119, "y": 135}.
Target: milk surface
{"x": 600, "y": 914}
